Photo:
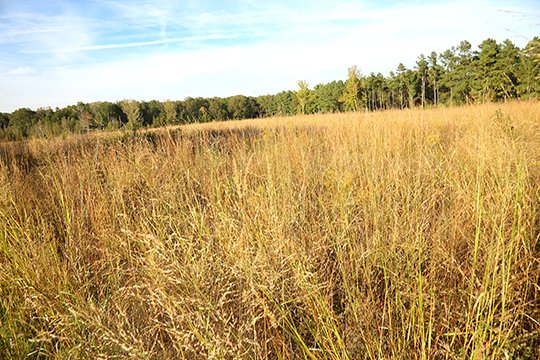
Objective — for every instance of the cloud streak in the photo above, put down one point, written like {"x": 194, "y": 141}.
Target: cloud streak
{"x": 133, "y": 44}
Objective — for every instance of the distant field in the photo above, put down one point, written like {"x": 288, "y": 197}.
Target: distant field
{"x": 400, "y": 234}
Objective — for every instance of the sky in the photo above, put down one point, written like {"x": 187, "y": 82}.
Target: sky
{"x": 55, "y": 53}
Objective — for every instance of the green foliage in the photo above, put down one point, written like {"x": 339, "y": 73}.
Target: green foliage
{"x": 376, "y": 91}
{"x": 191, "y": 111}
{"x": 280, "y": 104}
{"x": 21, "y": 122}
{"x": 151, "y": 112}
{"x": 106, "y": 113}
{"x": 326, "y": 97}
{"x": 133, "y": 113}
{"x": 483, "y": 86}
{"x": 529, "y": 70}
{"x": 242, "y": 107}
{"x": 434, "y": 76}
{"x": 4, "y": 120}
{"x": 170, "y": 113}
{"x": 217, "y": 109}
{"x": 422, "y": 71}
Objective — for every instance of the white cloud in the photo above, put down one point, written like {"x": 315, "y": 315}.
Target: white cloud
{"x": 20, "y": 70}
{"x": 33, "y": 33}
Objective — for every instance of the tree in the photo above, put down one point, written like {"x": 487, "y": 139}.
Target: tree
{"x": 422, "y": 70}
{"x": 4, "y": 120}
{"x": 107, "y": 115}
{"x": 393, "y": 90}
{"x": 401, "y": 85}
{"x": 217, "y": 109}
{"x": 464, "y": 72}
{"x": 284, "y": 103}
{"x": 85, "y": 117}
{"x": 351, "y": 93}
{"x": 529, "y": 70}
{"x": 242, "y": 107}
{"x": 303, "y": 96}
{"x": 410, "y": 81}
{"x": 21, "y": 122}
{"x": 133, "y": 113}
{"x": 506, "y": 70}
{"x": 151, "y": 111}
{"x": 448, "y": 60}
{"x": 191, "y": 111}
{"x": 434, "y": 74}
{"x": 170, "y": 114}
{"x": 267, "y": 105}
{"x": 371, "y": 91}
{"x": 483, "y": 86}
{"x": 326, "y": 97}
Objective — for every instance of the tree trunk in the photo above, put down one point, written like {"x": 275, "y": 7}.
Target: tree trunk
{"x": 423, "y": 91}
{"x": 435, "y": 93}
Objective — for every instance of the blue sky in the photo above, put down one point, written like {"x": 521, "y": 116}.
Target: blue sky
{"x": 57, "y": 52}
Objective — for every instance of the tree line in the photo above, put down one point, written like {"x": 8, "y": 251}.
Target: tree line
{"x": 459, "y": 75}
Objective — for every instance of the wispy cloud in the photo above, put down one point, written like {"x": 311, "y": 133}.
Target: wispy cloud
{"x": 20, "y": 70}
{"x": 132, "y": 44}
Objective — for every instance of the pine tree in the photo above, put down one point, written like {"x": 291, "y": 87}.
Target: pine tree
{"x": 434, "y": 74}
{"x": 529, "y": 70}
{"x": 422, "y": 70}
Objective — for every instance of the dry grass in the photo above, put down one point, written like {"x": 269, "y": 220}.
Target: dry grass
{"x": 400, "y": 234}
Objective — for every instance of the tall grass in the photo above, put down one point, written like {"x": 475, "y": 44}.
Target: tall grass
{"x": 399, "y": 234}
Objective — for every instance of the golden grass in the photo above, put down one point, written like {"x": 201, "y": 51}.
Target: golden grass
{"x": 397, "y": 234}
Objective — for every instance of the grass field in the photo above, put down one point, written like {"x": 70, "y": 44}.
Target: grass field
{"x": 396, "y": 234}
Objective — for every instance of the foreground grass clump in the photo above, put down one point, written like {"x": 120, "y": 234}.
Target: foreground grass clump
{"x": 411, "y": 234}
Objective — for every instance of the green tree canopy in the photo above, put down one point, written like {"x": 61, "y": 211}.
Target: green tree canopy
{"x": 133, "y": 113}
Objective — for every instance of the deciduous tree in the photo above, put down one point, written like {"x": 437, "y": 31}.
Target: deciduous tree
{"x": 303, "y": 96}
{"x": 351, "y": 93}
{"x": 133, "y": 113}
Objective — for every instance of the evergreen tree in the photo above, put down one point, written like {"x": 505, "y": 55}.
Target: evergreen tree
{"x": 506, "y": 70}
{"x": 422, "y": 70}
{"x": 529, "y": 70}
{"x": 401, "y": 85}
{"x": 170, "y": 113}
{"x": 326, "y": 97}
{"x": 464, "y": 72}
{"x": 485, "y": 81}
{"x": 434, "y": 75}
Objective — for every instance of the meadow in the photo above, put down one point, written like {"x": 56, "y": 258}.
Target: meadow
{"x": 411, "y": 234}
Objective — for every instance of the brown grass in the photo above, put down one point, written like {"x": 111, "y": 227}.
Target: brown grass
{"x": 398, "y": 234}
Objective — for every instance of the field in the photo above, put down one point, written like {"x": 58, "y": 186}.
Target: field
{"x": 409, "y": 234}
